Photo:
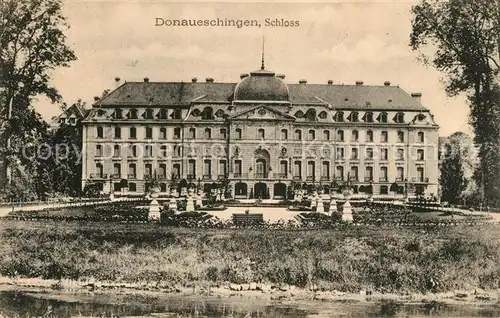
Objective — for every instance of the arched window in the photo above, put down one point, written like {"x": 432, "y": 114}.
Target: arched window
{"x": 399, "y": 118}
{"x": 382, "y": 117}
{"x": 339, "y": 116}
{"x": 148, "y": 114}
{"x": 368, "y": 117}
{"x": 118, "y": 113}
{"x": 208, "y": 133}
{"x": 192, "y": 133}
{"x": 238, "y": 133}
{"x": 261, "y": 133}
{"x": 132, "y": 133}
{"x": 311, "y": 134}
{"x": 162, "y": 114}
{"x": 207, "y": 113}
{"x": 369, "y": 136}
{"x": 100, "y": 132}
{"x": 311, "y": 115}
{"x": 420, "y": 137}
{"x": 284, "y": 134}
{"x": 354, "y": 117}
{"x": 298, "y": 134}
{"x": 177, "y": 113}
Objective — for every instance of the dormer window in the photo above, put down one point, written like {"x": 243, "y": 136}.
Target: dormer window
{"x": 207, "y": 114}
{"x": 148, "y": 114}
{"x": 339, "y": 116}
{"x": 162, "y": 114}
{"x": 72, "y": 120}
{"x": 177, "y": 113}
{"x": 368, "y": 117}
{"x": 118, "y": 114}
{"x": 311, "y": 115}
{"x": 132, "y": 114}
{"x": 354, "y": 117}
{"x": 399, "y": 118}
{"x": 299, "y": 114}
{"x": 382, "y": 118}
{"x": 322, "y": 115}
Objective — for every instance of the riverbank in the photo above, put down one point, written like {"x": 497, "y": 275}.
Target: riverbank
{"x": 386, "y": 260}
{"x": 226, "y": 302}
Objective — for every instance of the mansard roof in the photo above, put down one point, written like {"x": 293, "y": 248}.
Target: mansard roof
{"x": 356, "y": 97}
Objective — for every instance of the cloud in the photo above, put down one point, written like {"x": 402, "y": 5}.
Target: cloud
{"x": 368, "y": 49}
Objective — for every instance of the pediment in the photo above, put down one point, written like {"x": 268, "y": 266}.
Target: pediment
{"x": 262, "y": 112}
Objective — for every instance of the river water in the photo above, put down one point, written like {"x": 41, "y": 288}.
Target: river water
{"x": 30, "y": 304}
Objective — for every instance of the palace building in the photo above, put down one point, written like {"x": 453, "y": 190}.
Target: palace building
{"x": 262, "y": 134}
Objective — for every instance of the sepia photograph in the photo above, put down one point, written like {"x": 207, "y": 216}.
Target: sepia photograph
{"x": 249, "y": 159}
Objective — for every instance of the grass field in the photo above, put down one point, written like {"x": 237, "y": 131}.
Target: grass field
{"x": 350, "y": 259}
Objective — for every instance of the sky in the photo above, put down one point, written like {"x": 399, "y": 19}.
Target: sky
{"x": 342, "y": 41}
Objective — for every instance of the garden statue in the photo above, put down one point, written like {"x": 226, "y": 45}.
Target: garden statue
{"x": 154, "y": 210}
{"x": 199, "y": 203}
{"x": 154, "y": 206}
{"x": 190, "y": 204}
{"x": 172, "y": 205}
{"x": 333, "y": 207}
{"x": 347, "y": 213}
{"x": 320, "y": 208}
{"x": 347, "y": 192}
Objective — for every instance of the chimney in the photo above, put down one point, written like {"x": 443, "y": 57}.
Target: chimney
{"x": 209, "y": 80}
{"x": 330, "y": 82}
{"x": 417, "y": 96}
{"x": 303, "y": 81}
{"x": 243, "y": 75}
{"x": 359, "y": 83}
{"x": 194, "y": 80}
{"x": 146, "y": 79}
{"x": 281, "y": 76}
{"x": 387, "y": 83}
{"x": 117, "y": 82}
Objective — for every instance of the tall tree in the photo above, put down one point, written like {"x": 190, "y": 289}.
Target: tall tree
{"x": 457, "y": 166}
{"x": 464, "y": 36}
{"x": 32, "y": 45}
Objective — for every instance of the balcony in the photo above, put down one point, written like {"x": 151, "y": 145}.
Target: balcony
{"x": 98, "y": 176}
{"x": 297, "y": 178}
{"x": 339, "y": 178}
{"x": 207, "y": 177}
{"x": 221, "y": 176}
{"x": 261, "y": 175}
{"x": 310, "y": 178}
{"x": 237, "y": 174}
{"x": 383, "y": 179}
{"x": 191, "y": 176}
{"x": 131, "y": 176}
{"x": 115, "y": 176}
{"x": 400, "y": 179}
{"x": 353, "y": 178}
{"x": 368, "y": 179}
{"x": 148, "y": 176}
{"x": 325, "y": 178}
{"x": 162, "y": 177}
{"x": 282, "y": 175}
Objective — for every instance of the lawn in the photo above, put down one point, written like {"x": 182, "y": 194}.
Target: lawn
{"x": 348, "y": 258}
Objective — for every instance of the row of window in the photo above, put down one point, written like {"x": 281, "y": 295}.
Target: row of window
{"x": 147, "y": 151}
{"x": 261, "y": 134}
{"x": 352, "y": 175}
{"x": 147, "y": 114}
{"x": 309, "y": 115}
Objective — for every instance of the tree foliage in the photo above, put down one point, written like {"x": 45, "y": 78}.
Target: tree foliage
{"x": 32, "y": 45}
{"x": 464, "y": 36}
{"x": 457, "y": 166}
